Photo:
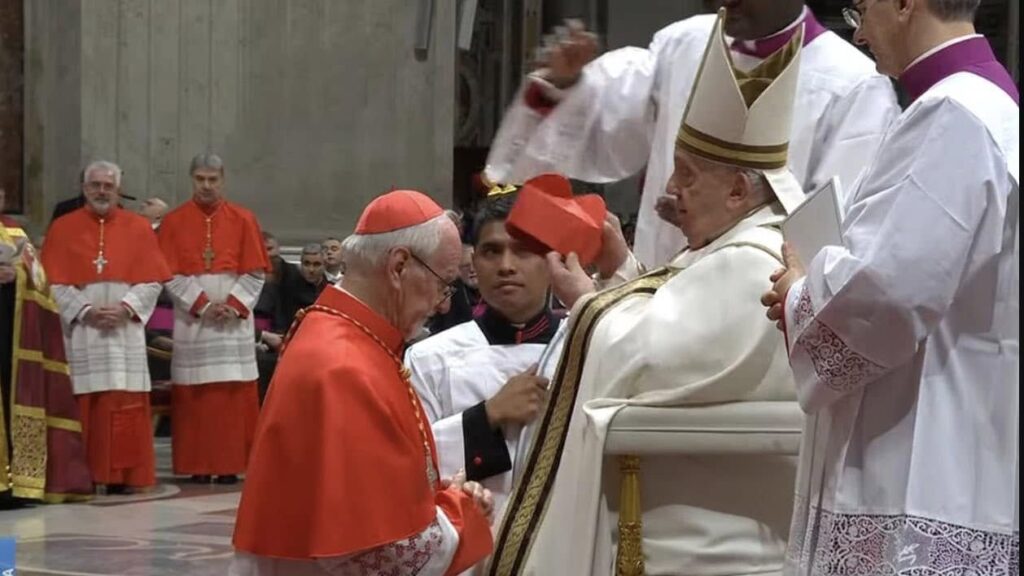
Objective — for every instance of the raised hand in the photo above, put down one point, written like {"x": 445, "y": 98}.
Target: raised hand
{"x": 566, "y": 52}
{"x": 569, "y": 281}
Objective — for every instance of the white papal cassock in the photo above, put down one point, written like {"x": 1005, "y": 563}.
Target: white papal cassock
{"x": 693, "y": 333}
{"x": 625, "y": 111}
{"x": 905, "y": 343}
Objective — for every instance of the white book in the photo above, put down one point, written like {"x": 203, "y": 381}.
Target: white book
{"x": 816, "y": 222}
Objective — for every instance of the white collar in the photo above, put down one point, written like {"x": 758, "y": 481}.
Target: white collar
{"x": 941, "y": 47}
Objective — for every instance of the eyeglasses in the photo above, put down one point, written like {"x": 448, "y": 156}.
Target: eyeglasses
{"x": 448, "y": 289}
{"x": 852, "y": 17}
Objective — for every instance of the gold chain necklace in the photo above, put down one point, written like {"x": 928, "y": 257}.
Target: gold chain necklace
{"x": 403, "y": 372}
{"x": 100, "y": 260}
{"x": 208, "y": 253}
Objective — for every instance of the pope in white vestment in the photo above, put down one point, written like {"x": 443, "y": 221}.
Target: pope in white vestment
{"x": 905, "y": 340}
{"x": 623, "y": 113}
{"x": 680, "y": 335}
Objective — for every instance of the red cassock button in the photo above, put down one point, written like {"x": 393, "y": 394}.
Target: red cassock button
{"x": 478, "y": 461}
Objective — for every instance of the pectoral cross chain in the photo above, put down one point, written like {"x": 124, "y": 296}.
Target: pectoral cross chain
{"x": 208, "y": 257}
{"x": 208, "y": 253}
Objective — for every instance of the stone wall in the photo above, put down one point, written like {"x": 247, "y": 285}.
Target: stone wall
{"x": 315, "y": 105}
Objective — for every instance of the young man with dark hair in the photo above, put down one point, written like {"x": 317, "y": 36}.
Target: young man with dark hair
{"x": 479, "y": 381}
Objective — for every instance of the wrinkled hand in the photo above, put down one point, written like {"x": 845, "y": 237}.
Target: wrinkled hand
{"x": 667, "y": 209}
{"x": 7, "y": 273}
{"x": 614, "y": 250}
{"x": 782, "y": 279}
{"x": 482, "y": 497}
{"x": 569, "y": 281}
{"x": 519, "y": 400}
{"x": 566, "y": 52}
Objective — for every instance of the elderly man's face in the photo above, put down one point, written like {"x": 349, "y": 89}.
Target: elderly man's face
{"x": 702, "y": 191}
{"x": 153, "y": 210}
{"x": 101, "y": 190}
{"x": 312, "y": 267}
{"x": 467, "y": 272}
{"x": 207, "y": 185}
{"x": 424, "y": 280}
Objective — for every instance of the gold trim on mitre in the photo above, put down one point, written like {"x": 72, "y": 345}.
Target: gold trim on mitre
{"x": 741, "y": 117}
{"x": 499, "y": 190}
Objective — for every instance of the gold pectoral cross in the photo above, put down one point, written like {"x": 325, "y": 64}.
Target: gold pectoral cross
{"x": 100, "y": 262}
{"x": 208, "y": 257}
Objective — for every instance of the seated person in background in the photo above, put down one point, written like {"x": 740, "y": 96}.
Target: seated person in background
{"x": 297, "y": 291}
{"x": 334, "y": 260}
{"x": 153, "y": 209}
{"x": 690, "y": 333}
{"x": 294, "y": 291}
{"x": 466, "y": 298}
{"x": 478, "y": 380}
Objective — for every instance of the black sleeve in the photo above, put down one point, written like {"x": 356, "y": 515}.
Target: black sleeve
{"x": 486, "y": 452}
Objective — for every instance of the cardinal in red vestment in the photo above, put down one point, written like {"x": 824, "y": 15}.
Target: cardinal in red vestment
{"x": 215, "y": 251}
{"x": 343, "y": 478}
{"x": 107, "y": 273}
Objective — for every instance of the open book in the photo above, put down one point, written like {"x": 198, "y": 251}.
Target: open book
{"x": 816, "y": 222}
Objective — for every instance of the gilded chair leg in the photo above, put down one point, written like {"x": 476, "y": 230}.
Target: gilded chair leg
{"x": 630, "y": 558}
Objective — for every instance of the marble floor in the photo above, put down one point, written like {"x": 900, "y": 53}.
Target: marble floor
{"x": 178, "y": 529}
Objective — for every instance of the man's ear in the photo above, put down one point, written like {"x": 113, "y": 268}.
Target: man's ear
{"x": 741, "y": 189}
{"x": 395, "y": 263}
{"x": 904, "y": 8}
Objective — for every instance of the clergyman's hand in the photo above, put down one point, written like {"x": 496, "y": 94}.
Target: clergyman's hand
{"x": 614, "y": 250}
{"x": 482, "y": 497}
{"x": 569, "y": 281}
{"x": 519, "y": 400}
{"x": 566, "y": 52}
{"x": 782, "y": 280}
{"x": 7, "y": 273}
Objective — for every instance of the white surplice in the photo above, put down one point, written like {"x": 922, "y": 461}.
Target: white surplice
{"x": 206, "y": 352}
{"x": 103, "y": 360}
{"x": 456, "y": 370}
{"x": 905, "y": 346}
{"x": 701, "y": 337}
{"x": 625, "y": 112}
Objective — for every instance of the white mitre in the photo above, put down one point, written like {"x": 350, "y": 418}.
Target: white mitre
{"x": 744, "y": 118}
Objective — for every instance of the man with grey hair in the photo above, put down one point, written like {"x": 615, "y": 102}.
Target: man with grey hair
{"x": 361, "y": 493}
{"x": 153, "y": 209}
{"x": 905, "y": 339}
{"x": 215, "y": 250}
{"x": 106, "y": 270}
